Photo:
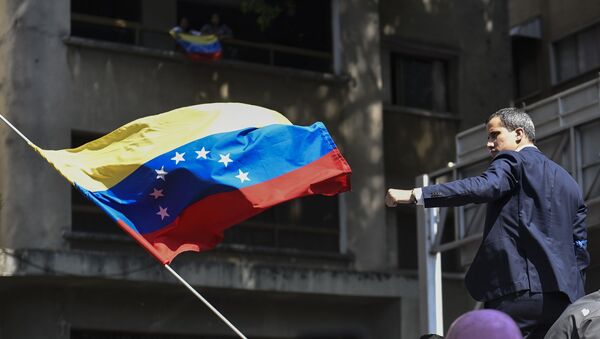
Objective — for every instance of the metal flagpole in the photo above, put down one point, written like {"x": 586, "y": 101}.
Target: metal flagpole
{"x": 16, "y": 130}
{"x": 211, "y": 307}
{"x": 199, "y": 296}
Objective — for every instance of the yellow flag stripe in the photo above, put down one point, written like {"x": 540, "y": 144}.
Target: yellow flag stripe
{"x": 104, "y": 162}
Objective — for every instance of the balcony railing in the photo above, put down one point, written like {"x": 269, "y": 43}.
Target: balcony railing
{"x": 264, "y": 53}
{"x": 567, "y": 126}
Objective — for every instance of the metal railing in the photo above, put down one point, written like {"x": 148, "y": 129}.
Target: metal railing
{"x": 567, "y": 126}
{"x": 274, "y": 52}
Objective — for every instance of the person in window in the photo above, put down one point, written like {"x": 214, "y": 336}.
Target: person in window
{"x": 216, "y": 28}
{"x": 532, "y": 258}
{"x": 184, "y": 27}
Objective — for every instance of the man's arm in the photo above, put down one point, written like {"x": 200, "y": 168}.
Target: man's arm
{"x": 500, "y": 178}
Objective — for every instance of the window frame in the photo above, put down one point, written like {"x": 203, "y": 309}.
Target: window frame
{"x": 450, "y": 57}
{"x": 555, "y": 61}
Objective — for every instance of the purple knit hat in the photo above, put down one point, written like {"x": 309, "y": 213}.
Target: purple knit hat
{"x": 488, "y": 324}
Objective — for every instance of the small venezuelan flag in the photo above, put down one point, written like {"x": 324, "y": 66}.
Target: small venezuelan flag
{"x": 198, "y": 47}
{"x": 175, "y": 181}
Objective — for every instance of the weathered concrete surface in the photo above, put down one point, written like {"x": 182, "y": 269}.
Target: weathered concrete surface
{"x": 134, "y": 293}
{"x": 204, "y": 270}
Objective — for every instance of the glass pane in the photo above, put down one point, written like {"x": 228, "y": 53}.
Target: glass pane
{"x": 309, "y": 223}
{"x": 556, "y": 147}
{"x": 566, "y": 58}
{"x": 417, "y": 83}
{"x": 590, "y": 159}
{"x": 589, "y": 47}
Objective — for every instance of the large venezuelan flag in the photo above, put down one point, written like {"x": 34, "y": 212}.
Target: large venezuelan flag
{"x": 198, "y": 47}
{"x": 175, "y": 181}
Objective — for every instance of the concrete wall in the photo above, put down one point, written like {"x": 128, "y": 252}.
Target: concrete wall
{"x": 472, "y": 36}
{"x": 522, "y": 11}
{"x": 51, "y": 85}
{"x": 361, "y": 129}
{"x": 479, "y": 47}
{"x": 477, "y": 52}
{"x": 58, "y": 307}
{"x": 559, "y": 18}
{"x": 567, "y": 17}
{"x": 87, "y": 291}
{"x": 33, "y": 99}
{"x": 94, "y": 88}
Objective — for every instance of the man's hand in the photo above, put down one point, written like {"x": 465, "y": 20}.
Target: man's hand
{"x": 395, "y": 197}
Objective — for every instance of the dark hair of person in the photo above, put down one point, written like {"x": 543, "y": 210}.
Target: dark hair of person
{"x": 512, "y": 118}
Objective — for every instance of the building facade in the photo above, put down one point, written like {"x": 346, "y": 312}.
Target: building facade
{"x": 393, "y": 81}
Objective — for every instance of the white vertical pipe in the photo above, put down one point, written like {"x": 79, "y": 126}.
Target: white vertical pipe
{"x": 430, "y": 268}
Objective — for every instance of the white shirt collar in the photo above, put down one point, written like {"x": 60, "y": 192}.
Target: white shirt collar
{"x": 525, "y": 146}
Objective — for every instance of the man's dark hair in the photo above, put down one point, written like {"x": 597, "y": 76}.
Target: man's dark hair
{"x": 512, "y": 118}
{"x": 431, "y": 336}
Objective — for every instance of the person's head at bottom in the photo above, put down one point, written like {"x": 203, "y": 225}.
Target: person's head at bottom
{"x": 488, "y": 324}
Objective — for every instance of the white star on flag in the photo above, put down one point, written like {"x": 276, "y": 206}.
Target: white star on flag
{"x": 162, "y": 212}
{"x": 225, "y": 159}
{"x": 157, "y": 193}
{"x": 243, "y": 176}
{"x": 178, "y": 157}
{"x": 161, "y": 173}
{"x": 202, "y": 153}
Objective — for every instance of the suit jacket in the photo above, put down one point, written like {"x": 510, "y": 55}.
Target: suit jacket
{"x": 535, "y": 234}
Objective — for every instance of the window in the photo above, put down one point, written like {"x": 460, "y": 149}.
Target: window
{"x": 111, "y": 20}
{"x": 270, "y": 32}
{"x": 419, "y": 82}
{"x": 577, "y": 54}
{"x": 309, "y": 223}
{"x": 87, "y": 217}
{"x": 526, "y": 53}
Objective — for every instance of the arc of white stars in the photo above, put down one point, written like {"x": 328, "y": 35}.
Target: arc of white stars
{"x": 202, "y": 153}
{"x": 243, "y": 176}
{"x": 161, "y": 173}
{"x": 178, "y": 157}
{"x": 162, "y": 212}
{"x": 157, "y": 193}
{"x": 225, "y": 159}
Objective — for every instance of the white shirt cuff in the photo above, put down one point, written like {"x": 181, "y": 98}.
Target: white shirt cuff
{"x": 419, "y": 196}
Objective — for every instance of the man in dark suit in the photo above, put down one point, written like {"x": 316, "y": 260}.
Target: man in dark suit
{"x": 532, "y": 258}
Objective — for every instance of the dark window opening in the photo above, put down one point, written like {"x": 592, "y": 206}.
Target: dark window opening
{"x": 297, "y": 34}
{"x": 86, "y": 216}
{"x": 287, "y": 40}
{"x": 577, "y": 54}
{"x": 309, "y": 223}
{"x": 419, "y": 82}
{"x": 526, "y": 53}
{"x": 118, "y": 9}
{"x": 109, "y": 20}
